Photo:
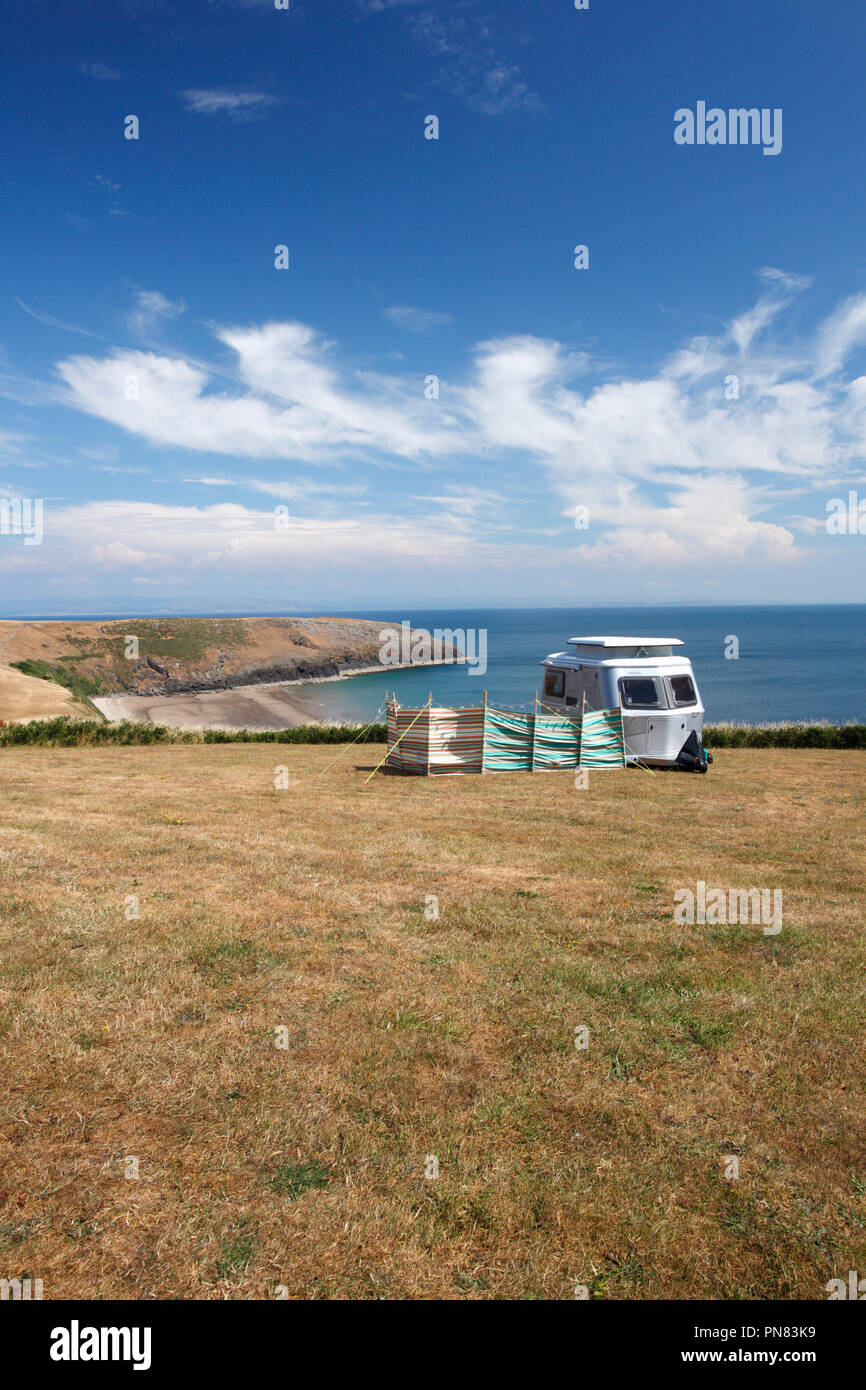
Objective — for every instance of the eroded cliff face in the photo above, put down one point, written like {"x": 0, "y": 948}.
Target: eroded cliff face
{"x": 165, "y": 656}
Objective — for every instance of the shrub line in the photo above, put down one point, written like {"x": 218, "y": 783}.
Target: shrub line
{"x": 66, "y": 732}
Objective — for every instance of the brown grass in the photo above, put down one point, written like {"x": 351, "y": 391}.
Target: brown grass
{"x": 190, "y": 653}
{"x": 26, "y": 697}
{"x": 304, "y": 1168}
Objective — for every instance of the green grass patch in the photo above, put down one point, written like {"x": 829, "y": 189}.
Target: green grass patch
{"x": 225, "y": 959}
{"x": 186, "y": 639}
{"x": 292, "y": 1180}
{"x": 234, "y": 1256}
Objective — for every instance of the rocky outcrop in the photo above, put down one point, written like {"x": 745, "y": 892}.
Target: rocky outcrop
{"x": 171, "y": 656}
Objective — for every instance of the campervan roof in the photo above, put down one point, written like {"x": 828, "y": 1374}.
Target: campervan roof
{"x": 605, "y": 650}
{"x": 624, "y": 642}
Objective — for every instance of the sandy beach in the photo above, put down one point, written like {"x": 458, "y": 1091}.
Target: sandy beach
{"x": 194, "y": 673}
{"x": 245, "y": 707}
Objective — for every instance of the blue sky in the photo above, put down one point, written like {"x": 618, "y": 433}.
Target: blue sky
{"x": 164, "y": 387}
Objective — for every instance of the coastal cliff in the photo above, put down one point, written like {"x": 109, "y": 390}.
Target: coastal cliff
{"x": 169, "y": 656}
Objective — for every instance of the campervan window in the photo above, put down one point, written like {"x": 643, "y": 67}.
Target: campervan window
{"x": 639, "y": 693}
{"x": 554, "y": 683}
{"x": 683, "y": 690}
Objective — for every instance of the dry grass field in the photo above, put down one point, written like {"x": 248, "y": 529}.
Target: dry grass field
{"x": 150, "y": 1044}
{"x": 27, "y": 697}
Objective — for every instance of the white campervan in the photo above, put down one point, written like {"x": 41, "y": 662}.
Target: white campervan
{"x": 662, "y": 713}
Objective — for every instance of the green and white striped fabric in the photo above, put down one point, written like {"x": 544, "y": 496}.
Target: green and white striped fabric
{"x": 602, "y": 742}
{"x": 557, "y": 743}
{"x": 507, "y": 742}
{"x": 440, "y": 740}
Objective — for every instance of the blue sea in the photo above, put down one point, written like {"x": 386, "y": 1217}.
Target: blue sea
{"x": 805, "y": 662}
{"x": 794, "y": 662}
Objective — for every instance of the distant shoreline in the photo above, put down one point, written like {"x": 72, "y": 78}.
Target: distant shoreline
{"x": 197, "y": 673}
{"x": 418, "y": 609}
{"x": 265, "y": 705}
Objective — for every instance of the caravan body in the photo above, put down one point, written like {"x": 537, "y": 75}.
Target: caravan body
{"x": 657, "y": 690}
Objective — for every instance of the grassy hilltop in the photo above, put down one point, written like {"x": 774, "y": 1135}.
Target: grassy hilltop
{"x": 84, "y": 660}
{"x": 310, "y": 910}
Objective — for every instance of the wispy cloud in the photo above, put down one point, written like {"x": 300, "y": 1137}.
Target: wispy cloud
{"x": 288, "y": 491}
{"x": 843, "y": 331}
{"x": 473, "y": 67}
{"x": 51, "y": 322}
{"x": 779, "y": 291}
{"x": 11, "y": 443}
{"x": 494, "y": 91}
{"x": 100, "y": 181}
{"x": 111, "y": 189}
{"x": 377, "y": 6}
{"x": 116, "y": 469}
{"x": 152, "y": 309}
{"x": 231, "y": 102}
{"x": 117, "y": 535}
{"x": 414, "y": 320}
{"x": 101, "y": 72}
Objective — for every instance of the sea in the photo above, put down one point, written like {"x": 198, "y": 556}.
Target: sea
{"x": 753, "y": 664}
{"x": 791, "y": 663}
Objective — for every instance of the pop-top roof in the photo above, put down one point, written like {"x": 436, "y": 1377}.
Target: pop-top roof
{"x": 624, "y": 642}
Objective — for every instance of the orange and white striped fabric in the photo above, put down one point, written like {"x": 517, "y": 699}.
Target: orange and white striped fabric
{"x": 435, "y": 740}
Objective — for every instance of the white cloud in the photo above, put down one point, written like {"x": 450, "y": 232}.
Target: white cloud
{"x": 706, "y": 520}
{"x": 116, "y": 555}
{"x": 780, "y": 290}
{"x": 842, "y": 332}
{"x": 467, "y": 501}
{"x": 306, "y": 488}
{"x": 129, "y": 535}
{"x": 152, "y": 309}
{"x": 101, "y": 72}
{"x": 414, "y": 320}
{"x": 671, "y": 470}
{"x": 24, "y": 562}
{"x": 295, "y": 406}
{"x": 496, "y": 91}
{"x": 236, "y": 104}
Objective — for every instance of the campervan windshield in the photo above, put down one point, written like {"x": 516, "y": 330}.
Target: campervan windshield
{"x": 639, "y": 692}
{"x": 683, "y": 690}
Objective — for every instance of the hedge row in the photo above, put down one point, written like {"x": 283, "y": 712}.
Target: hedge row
{"x": 71, "y": 733}
{"x": 785, "y": 736}
{"x": 64, "y": 732}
